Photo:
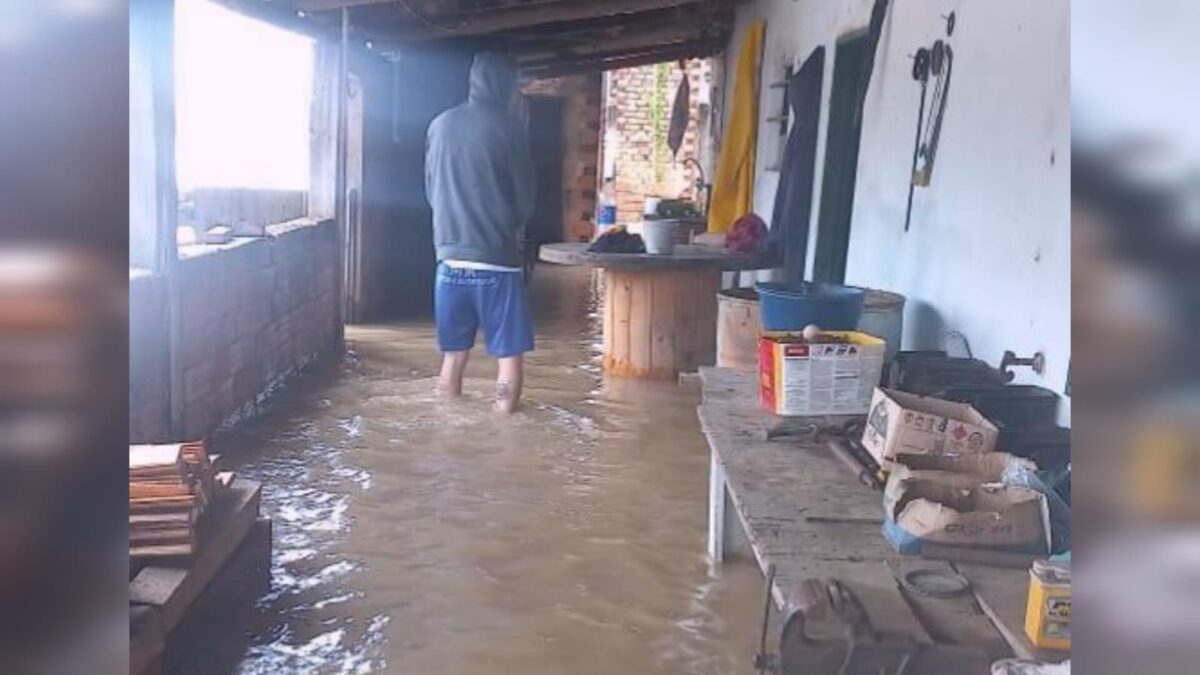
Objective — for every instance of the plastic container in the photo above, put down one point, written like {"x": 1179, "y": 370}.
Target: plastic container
{"x": 883, "y": 317}
{"x": 792, "y": 307}
{"x": 738, "y": 327}
{"x": 1048, "y": 609}
{"x": 606, "y": 210}
{"x": 659, "y": 236}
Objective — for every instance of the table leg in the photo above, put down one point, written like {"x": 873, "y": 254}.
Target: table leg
{"x": 726, "y": 535}
{"x": 716, "y": 510}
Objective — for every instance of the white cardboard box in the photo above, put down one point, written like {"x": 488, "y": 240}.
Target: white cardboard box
{"x": 903, "y": 423}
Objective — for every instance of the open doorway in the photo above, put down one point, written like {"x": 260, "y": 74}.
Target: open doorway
{"x": 841, "y": 160}
{"x": 352, "y": 247}
{"x": 547, "y": 148}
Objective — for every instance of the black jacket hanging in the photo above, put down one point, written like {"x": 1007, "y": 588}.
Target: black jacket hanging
{"x": 793, "y": 199}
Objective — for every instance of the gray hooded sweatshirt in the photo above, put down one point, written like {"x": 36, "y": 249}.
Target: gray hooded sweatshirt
{"x": 479, "y": 176}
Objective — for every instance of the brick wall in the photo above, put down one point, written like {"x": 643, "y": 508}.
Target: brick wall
{"x": 581, "y": 145}
{"x": 253, "y": 312}
{"x": 638, "y": 107}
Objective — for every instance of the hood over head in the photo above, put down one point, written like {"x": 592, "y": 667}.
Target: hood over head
{"x": 493, "y": 78}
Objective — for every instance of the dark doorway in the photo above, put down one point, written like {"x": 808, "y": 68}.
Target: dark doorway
{"x": 439, "y": 75}
{"x": 546, "y": 144}
{"x": 841, "y": 160}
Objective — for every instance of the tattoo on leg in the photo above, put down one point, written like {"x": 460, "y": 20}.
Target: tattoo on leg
{"x": 503, "y": 390}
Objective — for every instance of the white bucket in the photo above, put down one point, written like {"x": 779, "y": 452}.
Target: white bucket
{"x": 659, "y": 236}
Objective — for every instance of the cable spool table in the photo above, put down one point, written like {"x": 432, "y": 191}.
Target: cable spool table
{"x": 660, "y": 311}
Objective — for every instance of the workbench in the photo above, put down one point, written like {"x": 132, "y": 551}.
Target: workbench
{"x": 660, "y": 311}
{"x": 792, "y": 505}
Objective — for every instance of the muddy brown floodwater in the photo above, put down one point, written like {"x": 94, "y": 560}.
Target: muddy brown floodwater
{"x": 414, "y": 535}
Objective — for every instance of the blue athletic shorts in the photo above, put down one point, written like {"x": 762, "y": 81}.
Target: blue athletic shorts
{"x": 467, "y": 300}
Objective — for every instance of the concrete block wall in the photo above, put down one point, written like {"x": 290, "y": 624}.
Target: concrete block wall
{"x": 149, "y": 377}
{"x": 581, "y": 145}
{"x": 252, "y": 313}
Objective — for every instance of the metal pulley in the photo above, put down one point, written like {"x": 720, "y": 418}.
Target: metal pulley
{"x": 935, "y": 62}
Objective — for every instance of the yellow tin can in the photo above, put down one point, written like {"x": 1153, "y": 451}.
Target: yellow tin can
{"x": 1048, "y": 612}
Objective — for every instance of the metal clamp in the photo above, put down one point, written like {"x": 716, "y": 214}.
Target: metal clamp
{"x": 1037, "y": 363}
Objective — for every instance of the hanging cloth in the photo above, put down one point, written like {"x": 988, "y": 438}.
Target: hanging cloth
{"x": 788, "y": 237}
{"x": 679, "y": 112}
{"x": 733, "y": 189}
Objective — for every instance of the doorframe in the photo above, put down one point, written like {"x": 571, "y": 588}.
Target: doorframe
{"x": 352, "y": 245}
{"x": 835, "y": 210}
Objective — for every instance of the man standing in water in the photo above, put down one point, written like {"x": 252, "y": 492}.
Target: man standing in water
{"x": 479, "y": 181}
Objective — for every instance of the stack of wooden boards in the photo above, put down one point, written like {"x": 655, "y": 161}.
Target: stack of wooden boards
{"x": 170, "y": 488}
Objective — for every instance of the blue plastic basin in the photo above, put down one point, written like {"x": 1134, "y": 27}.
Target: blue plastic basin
{"x": 794, "y": 306}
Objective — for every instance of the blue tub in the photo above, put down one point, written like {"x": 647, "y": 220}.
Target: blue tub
{"x": 794, "y": 306}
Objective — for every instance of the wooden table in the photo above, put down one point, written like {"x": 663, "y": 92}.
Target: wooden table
{"x": 793, "y": 505}
{"x": 660, "y": 311}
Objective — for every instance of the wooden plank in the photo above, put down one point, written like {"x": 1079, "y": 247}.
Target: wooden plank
{"x": 504, "y": 18}
{"x": 708, "y": 284}
{"x": 951, "y": 620}
{"x": 172, "y": 589}
{"x": 608, "y": 286}
{"x": 684, "y": 256}
{"x": 686, "y": 321}
{"x": 146, "y": 641}
{"x": 663, "y": 338}
{"x": 215, "y": 633}
{"x": 1002, "y": 594}
{"x": 961, "y": 554}
{"x": 641, "y": 288}
{"x": 693, "y": 49}
{"x": 616, "y": 348}
{"x": 631, "y": 39}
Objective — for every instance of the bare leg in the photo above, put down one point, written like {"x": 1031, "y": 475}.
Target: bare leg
{"x": 508, "y": 384}
{"x": 454, "y": 364}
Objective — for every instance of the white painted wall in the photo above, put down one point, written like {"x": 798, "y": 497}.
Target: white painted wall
{"x": 988, "y": 253}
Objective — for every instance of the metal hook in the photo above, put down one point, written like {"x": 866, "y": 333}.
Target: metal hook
{"x": 950, "y": 19}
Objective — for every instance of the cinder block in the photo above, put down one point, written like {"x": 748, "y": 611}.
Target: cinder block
{"x": 197, "y": 381}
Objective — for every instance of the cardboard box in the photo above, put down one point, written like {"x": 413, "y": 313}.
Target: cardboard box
{"x": 962, "y": 470}
{"x": 902, "y": 423}
{"x": 956, "y": 471}
{"x": 923, "y": 510}
{"x": 797, "y": 377}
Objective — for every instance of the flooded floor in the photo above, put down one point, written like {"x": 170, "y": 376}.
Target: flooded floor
{"x": 414, "y": 535}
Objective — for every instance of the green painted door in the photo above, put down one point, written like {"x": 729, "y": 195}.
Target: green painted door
{"x": 841, "y": 161}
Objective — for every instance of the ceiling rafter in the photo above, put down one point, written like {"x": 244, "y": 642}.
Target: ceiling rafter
{"x": 541, "y": 33}
{"x": 626, "y": 59}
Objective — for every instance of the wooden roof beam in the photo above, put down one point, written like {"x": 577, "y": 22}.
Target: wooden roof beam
{"x": 634, "y": 39}
{"x": 615, "y": 61}
{"x": 518, "y": 16}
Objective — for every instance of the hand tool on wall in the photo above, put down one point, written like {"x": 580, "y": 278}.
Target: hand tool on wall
{"x": 942, "y": 67}
{"x": 920, "y": 73}
{"x": 679, "y": 112}
{"x": 937, "y": 61}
